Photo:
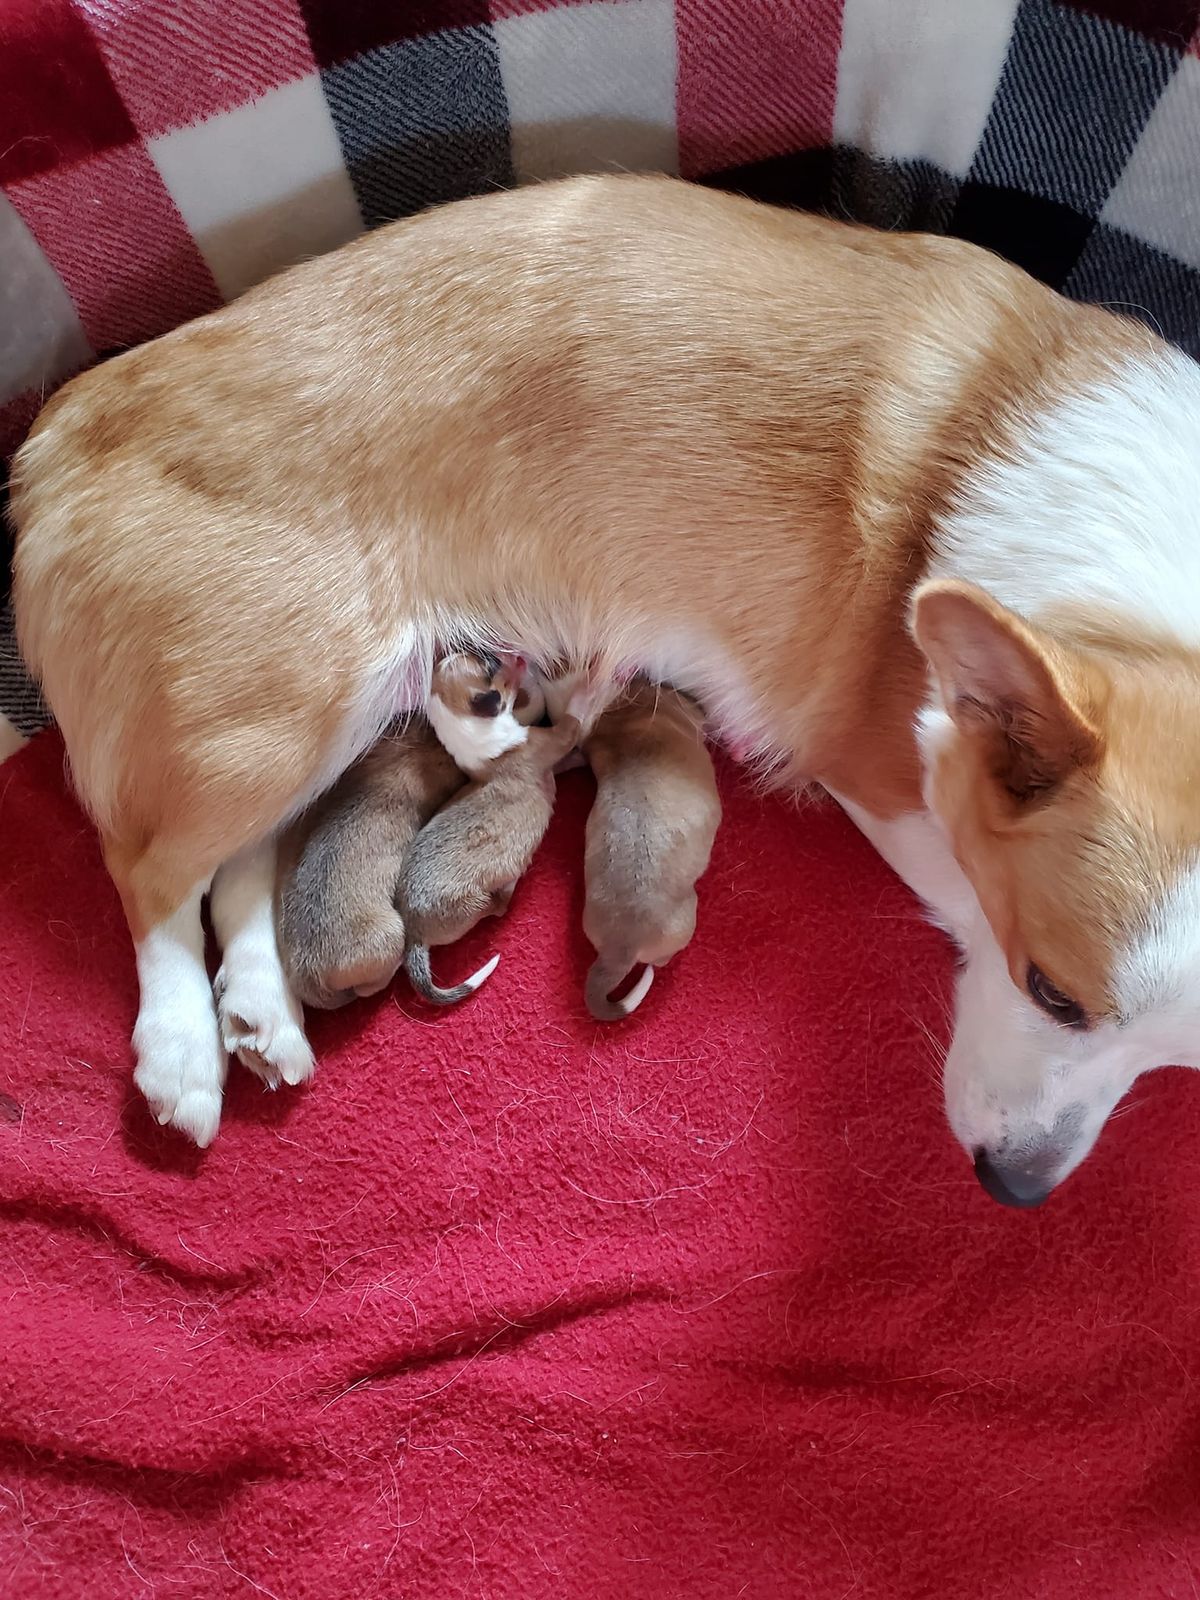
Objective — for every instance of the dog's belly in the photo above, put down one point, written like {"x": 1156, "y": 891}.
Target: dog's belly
{"x": 689, "y": 658}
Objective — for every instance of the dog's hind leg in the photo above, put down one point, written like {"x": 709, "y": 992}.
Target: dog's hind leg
{"x": 192, "y": 776}
{"x": 163, "y": 861}
{"x": 181, "y": 1062}
{"x": 261, "y": 1020}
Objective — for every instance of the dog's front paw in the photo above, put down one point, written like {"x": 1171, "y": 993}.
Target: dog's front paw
{"x": 262, "y": 1024}
{"x": 181, "y": 1073}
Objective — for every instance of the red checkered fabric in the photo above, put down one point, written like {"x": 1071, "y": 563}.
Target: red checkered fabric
{"x": 156, "y": 158}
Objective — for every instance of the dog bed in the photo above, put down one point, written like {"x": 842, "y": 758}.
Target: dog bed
{"x": 508, "y": 1303}
{"x": 708, "y": 1304}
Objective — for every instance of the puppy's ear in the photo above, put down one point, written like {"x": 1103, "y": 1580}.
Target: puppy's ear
{"x": 1003, "y": 682}
{"x": 510, "y": 672}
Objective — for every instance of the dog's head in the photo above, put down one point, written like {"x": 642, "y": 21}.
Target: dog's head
{"x": 1065, "y": 767}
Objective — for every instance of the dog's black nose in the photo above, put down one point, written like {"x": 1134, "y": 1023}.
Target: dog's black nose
{"x": 1022, "y": 1184}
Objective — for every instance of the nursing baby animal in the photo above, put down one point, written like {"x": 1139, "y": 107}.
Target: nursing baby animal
{"x": 465, "y": 862}
{"x": 649, "y": 837}
{"x": 340, "y": 933}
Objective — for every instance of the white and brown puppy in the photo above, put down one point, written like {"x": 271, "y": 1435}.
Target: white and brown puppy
{"x": 340, "y": 933}
{"x": 946, "y": 564}
{"x": 480, "y": 705}
{"x": 649, "y": 836}
{"x": 466, "y": 862}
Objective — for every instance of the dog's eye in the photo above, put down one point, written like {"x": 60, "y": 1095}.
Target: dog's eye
{"x": 1053, "y": 1001}
{"x": 486, "y": 704}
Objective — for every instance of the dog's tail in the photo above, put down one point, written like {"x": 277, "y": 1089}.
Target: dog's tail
{"x": 603, "y": 979}
{"x": 416, "y": 965}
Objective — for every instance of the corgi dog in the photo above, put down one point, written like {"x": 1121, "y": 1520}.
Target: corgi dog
{"x": 909, "y": 525}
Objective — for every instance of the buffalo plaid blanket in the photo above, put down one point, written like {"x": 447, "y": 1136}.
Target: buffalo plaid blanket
{"x": 159, "y": 156}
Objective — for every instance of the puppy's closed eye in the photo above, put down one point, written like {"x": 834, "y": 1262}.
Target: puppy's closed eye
{"x": 486, "y": 704}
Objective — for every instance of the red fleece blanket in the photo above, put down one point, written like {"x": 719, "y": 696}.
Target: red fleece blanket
{"x": 508, "y": 1304}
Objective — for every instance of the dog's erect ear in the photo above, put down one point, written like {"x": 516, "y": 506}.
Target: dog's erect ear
{"x": 1000, "y": 679}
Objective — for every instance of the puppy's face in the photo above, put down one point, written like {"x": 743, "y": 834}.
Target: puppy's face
{"x": 1067, "y": 781}
{"x": 473, "y": 707}
{"x": 478, "y": 685}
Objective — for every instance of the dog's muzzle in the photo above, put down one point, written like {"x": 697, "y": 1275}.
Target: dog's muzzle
{"x": 1024, "y": 1182}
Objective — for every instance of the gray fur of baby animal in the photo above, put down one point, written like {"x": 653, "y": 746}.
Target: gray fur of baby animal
{"x": 340, "y": 932}
{"x": 466, "y": 861}
{"x": 649, "y": 837}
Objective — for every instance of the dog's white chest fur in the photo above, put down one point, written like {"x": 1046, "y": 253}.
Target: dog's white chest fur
{"x": 1099, "y": 504}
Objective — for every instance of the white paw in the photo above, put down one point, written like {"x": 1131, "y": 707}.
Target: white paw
{"x": 262, "y": 1024}
{"x": 181, "y": 1072}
